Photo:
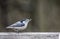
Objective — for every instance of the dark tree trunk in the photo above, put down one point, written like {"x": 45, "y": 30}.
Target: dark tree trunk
{"x": 4, "y": 13}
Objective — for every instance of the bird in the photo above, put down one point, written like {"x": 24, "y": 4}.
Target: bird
{"x": 20, "y": 25}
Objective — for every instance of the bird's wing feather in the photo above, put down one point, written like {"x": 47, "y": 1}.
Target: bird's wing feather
{"x": 17, "y": 24}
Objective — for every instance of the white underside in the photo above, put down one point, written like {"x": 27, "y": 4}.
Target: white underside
{"x": 18, "y": 28}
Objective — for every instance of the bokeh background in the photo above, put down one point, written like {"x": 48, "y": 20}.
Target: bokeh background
{"x": 45, "y": 14}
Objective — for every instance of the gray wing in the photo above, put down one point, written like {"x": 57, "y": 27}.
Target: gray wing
{"x": 17, "y": 24}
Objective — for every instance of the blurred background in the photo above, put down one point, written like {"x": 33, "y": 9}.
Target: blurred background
{"x": 45, "y": 14}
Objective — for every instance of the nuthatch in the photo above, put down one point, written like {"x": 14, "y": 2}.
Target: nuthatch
{"x": 20, "y": 25}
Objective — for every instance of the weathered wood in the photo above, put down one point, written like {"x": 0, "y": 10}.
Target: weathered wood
{"x": 29, "y": 35}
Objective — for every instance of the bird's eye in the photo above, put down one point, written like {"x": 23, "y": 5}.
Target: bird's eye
{"x": 22, "y": 20}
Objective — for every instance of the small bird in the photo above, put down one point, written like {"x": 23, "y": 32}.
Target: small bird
{"x": 20, "y": 25}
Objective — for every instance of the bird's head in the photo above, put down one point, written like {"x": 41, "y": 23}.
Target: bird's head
{"x": 26, "y": 20}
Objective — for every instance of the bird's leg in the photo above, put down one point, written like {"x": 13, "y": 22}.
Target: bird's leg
{"x": 17, "y": 31}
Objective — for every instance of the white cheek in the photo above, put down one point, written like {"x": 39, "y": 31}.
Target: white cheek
{"x": 24, "y": 22}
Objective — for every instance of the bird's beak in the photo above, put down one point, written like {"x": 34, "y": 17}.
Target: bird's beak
{"x": 29, "y": 18}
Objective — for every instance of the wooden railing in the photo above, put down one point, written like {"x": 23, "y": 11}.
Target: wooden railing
{"x": 29, "y": 35}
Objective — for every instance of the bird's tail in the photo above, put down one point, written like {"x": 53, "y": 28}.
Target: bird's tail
{"x": 9, "y": 27}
